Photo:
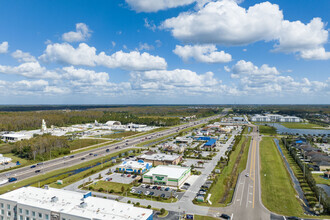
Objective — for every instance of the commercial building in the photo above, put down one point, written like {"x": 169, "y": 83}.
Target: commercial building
{"x": 274, "y": 118}
{"x": 28, "y": 203}
{"x": 161, "y": 159}
{"x": 138, "y": 167}
{"x": 167, "y": 175}
{"x": 15, "y": 137}
{"x": 210, "y": 144}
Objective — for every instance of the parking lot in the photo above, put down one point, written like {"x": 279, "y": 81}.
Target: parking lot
{"x": 120, "y": 178}
{"x": 153, "y": 190}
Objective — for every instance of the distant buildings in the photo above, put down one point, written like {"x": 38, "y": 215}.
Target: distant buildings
{"x": 28, "y": 203}
{"x": 275, "y": 118}
{"x": 167, "y": 175}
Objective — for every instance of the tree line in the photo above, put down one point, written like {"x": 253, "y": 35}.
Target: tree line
{"x": 41, "y": 147}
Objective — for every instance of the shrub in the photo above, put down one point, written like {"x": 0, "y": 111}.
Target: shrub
{"x": 162, "y": 211}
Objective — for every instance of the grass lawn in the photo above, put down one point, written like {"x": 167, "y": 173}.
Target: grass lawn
{"x": 163, "y": 215}
{"x": 302, "y": 125}
{"x": 278, "y": 194}
{"x": 81, "y": 143}
{"x": 6, "y": 148}
{"x": 107, "y": 186}
{"x": 218, "y": 189}
{"x": 201, "y": 217}
{"x": 121, "y": 134}
{"x": 267, "y": 130}
{"x": 320, "y": 180}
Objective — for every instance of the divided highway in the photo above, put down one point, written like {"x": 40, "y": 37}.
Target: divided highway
{"x": 59, "y": 163}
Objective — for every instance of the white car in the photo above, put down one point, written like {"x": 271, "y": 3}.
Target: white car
{"x": 133, "y": 191}
{"x": 146, "y": 193}
{"x": 247, "y": 175}
{"x": 143, "y": 185}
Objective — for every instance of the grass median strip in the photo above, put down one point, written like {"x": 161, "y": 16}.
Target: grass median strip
{"x": 52, "y": 176}
{"x": 278, "y": 194}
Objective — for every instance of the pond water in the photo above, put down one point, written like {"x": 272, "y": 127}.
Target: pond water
{"x": 281, "y": 129}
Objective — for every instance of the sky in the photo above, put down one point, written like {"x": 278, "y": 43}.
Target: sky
{"x": 164, "y": 52}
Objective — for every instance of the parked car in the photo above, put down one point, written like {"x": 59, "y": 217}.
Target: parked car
{"x": 143, "y": 185}
{"x": 162, "y": 195}
{"x": 225, "y": 216}
{"x": 186, "y": 184}
{"x": 159, "y": 187}
{"x": 139, "y": 192}
{"x": 133, "y": 191}
{"x": 33, "y": 166}
{"x": 146, "y": 193}
{"x": 151, "y": 193}
{"x": 247, "y": 175}
{"x": 147, "y": 186}
{"x": 167, "y": 188}
{"x": 293, "y": 218}
{"x": 128, "y": 175}
{"x": 154, "y": 187}
{"x": 12, "y": 179}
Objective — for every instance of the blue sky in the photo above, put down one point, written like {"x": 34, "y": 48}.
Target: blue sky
{"x": 164, "y": 52}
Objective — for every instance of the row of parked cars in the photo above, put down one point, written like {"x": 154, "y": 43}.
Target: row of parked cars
{"x": 161, "y": 188}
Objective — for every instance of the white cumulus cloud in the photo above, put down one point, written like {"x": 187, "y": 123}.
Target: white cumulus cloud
{"x": 202, "y": 53}
{"x": 23, "y": 56}
{"x": 86, "y": 55}
{"x": 4, "y": 47}
{"x": 82, "y": 33}
{"x": 226, "y": 23}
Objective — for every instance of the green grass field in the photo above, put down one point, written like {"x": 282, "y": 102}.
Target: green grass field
{"x": 319, "y": 180}
{"x": 218, "y": 188}
{"x": 81, "y": 143}
{"x": 267, "y": 130}
{"x": 121, "y": 134}
{"x": 278, "y": 194}
{"x": 201, "y": 217}
{"x": 108, "y": 186}
{"x": 302, "y": 126}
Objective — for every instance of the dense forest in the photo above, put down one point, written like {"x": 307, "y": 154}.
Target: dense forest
{"x": 42, "y": 147}
{"x": 151, "y": 115}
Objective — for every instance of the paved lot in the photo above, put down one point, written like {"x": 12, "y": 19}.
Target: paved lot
{"x": 118, "y": 178}
{"x": 7, "y": 166}
{"x": 158, "y": 192}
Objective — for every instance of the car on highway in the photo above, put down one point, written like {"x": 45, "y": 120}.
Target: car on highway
{"x": 90, "y": 154}
{"x": 107, "y": 150}
{"x": 95, "y": 155}
{"x": 65, "y": 157}
{"x": 72, "y": 156}
{"x": 37, "y": 171}
{"x": 12, "y": 179}
{"x": 293, "y": 218}
{"x": 224, "y": 216}
{"x": 83, "y": 158}
{"x": 247, "y": 175}
{"x": 117, "y": 147}
{"x": 33, "y": 166}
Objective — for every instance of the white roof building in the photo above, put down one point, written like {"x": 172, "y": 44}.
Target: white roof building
{"x": 62, "y": 204}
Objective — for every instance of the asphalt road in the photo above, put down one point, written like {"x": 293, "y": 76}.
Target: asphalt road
{"x": 59, "y": 163}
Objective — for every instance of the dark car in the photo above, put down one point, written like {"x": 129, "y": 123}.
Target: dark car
{"x": 37, "y": 171}
{"x": 83, "y": 158}
{"x": 154, "y": 187}
{"x": 72, "y": 156}
{"x": 158, "y": 188}
{"x": 167, "y": 189}
{"x": 162, "y": 195}
{"x": 293, "y": 218}
{"x": 12, "y": 179}
{"x": 151, "y": 193}
{"x": 95, "y": 155}
{"x": 90, "y": 154}
{"x": 147, "y": 186}
{"x": 33, "y": 166}
{"x": 225, "y": 216}
{"x": 107, "y": 150}
{"x": 186, "y": 184}
{"x": 139, "y": 192}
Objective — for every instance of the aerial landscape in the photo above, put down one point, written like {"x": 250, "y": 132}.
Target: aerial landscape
{"x": 164, "y": 109}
